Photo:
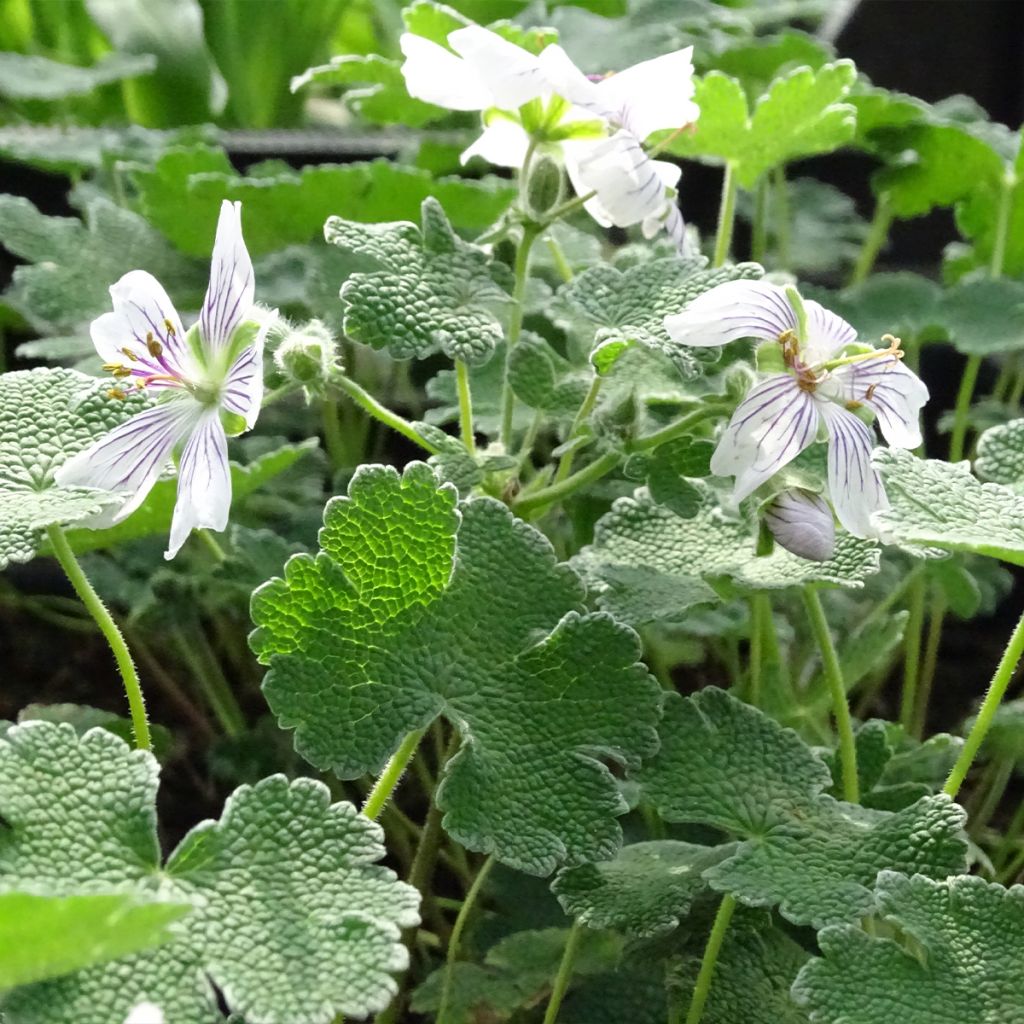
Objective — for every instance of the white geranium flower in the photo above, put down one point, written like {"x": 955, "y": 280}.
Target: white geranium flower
{"x": 206, "y": 379}
{"x": 821, "y": 387}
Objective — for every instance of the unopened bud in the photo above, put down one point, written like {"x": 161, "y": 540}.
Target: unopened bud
{"x": 738, "y": 380}
{"x": 802, "y": 523}
{"x": 543, "y": 186}
{"x": 307, "y": 355}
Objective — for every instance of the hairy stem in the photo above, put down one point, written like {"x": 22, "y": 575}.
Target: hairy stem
{"x": 393, "y": 771}
{"x": 780, "y": 201}
{"x": 877, "y": 236}
{"x": 963, "y": 407}
{"x": 726, "y": 217}
{"x": 515, "y": 328}
{"x": 837, "y": 689}
{"x": 195, "y": 651}
{"x": 465, "y": 405}
{"x": 564, "y": 975}
{"x": 710, "y": 959}
{"x": 105, "y": 621}
{"x": 936, "y": 618}
{"x": 365, "y": 400}
{"x": 759, "y": 235}
{"x": 546, "y": 496}
{"x": 990, "y": 705}
{"x": 585, "y": 409}
{"x": 912, "y": 654}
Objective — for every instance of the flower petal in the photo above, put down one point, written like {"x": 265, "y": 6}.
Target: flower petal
{"x": 204, "y": 482}
{"x": 672, "y": 221}
{"x": 143, "y": 315}
{"x": 802, "y": 523}
{"x": 894, "y": 392}
{"x": 243, "y": 388}
{"x": 854, "y": 485}
{"x": 827, "y": 333}
{"x": 502, "y": 142}
{"x": 436, "y": 75}
{"x": 733, "y": 310}
{"x": 511, "y": 74}
{"x": 769, "y": 428}
{"x": 229, "y": 296}
{"x": 131, "y": 457}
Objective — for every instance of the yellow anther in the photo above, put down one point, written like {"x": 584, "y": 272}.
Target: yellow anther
{"x": 169, "y": 327}
{"x": 153, "y": 347}
{"x": 112, "y": 367}
{"x": 129, "y": 354}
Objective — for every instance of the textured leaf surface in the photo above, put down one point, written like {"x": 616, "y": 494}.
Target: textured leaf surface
{"x": 725, "y": 764}
{"x": 646, "y": 890}
{"x": 28, "y": 77}
{"x": 283, "y": 871}
{"x": 46, "y": 416}
{"x": 44, "y": 936}
{"x": 1001, "y": 455}
{"x": 412, "y": 610}
{"x": 433, "y": 290}
{"x": 959, "y": 956}
{"x": 800, "y": 115}
{"x": 629, "y": 306}
{"x": 938, "y": 504}
{"x": 648, "y": 563}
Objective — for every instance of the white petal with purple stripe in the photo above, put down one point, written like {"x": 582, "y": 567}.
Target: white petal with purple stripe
{"x": 895, "y": 394}
{"x": 231, "y": 291}
{"x": 803, "y": 524}
{"x": 733, "y": 310}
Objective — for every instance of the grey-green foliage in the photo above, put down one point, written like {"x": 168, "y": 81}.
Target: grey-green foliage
{"x": 648, "y": 564}
{"x": 953, "y": 952}
{"x": 283, "y": 871}
{"x": 544, "y": 380}
{"x": 433, "y": 290}
{"x": 725, "y": 764}
{"x": 1001, "y": 455}
{"x": 31, "y": 77}
{"x": 415, "y": 608}
{"x": 627, "y": 307}
{"x": 46, "y": 416}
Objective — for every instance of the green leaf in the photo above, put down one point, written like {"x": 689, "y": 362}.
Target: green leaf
{"x": 45, "y": 936}
{"x": 879, "y": 111}
{"x": 46, "y": 416}
{"x": 1001, "y": 455}
{"x": 153, "y": 516}
{"x": 755, "y": 62}
{"x": 525, "y": 676}
{"x": 73, "y": 264}
{"x": 725, "y": 764}
{"x": 285, "y": 207}
{"x": 433, "y": 290}
{"x": 283, "y": 871}
{"x": 648, "y": 564}
{"x": 984, "y": 316}
{"x": 629, "y": 307}
{"x": 544, "y": 380}
{"x": 25, "y": 77}
{"x": 957, "y": 955}
{"x": 902, "y": 303}
{"x": 938, "y": 504}
{"x": 802, "y": 114}
{"x": 644, "y": 892}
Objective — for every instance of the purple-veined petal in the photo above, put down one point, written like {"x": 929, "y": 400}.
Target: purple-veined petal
{"x": 204, "y": 482}
{"x": 436, "y": 75}
{"x": 733, "y": 310}
{"x": 566, "y": 79}
{"x": 511, "y": 74}
{"x": 230, "y": 293}
{"x": 243, "y": 387}
{"x": 143, "y": 322}
{"x": 854, "y": 485}
{"x": 130, "y": 458}
{"x": 672, "y": 221}
{"x": 895, "y": 393}
{"x": 769, "y": 428}
{"x": 503, "y": 142}
{"x": 827, "y": 333}
{"x": 802, "y": 523}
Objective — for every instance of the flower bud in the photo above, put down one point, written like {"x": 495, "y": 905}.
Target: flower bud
{"x": 307, "y": 355}
{"x": 543, "y": 186}
{"x": 802, "y": 523}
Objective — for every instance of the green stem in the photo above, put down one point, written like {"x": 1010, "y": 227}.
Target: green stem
{"x": 877, "y": 236}
{"x": 987, "y": 712}
{"x": 454, "y": 942}
{"x": 1002, "y": 772}
{"x": 936, "y": 618}
{"x": 365, "y": 400}
{"x": 912, "y": 654}
{"x": 333, "y": 439}
{"x": 780, "y": 199}
{"x": 558, "y": 258}
{"x": 681, "y": 426}
{"x": 759, "y": 237}
{"x": 757, "y": 632}
{"x": 585, "y": 409}
{"x": 546, "y": 496}
{"x": 195, "y": 651}
{"x": 726, "y": 216}
{"x": 465, "y": 405}
{"x": 963, "y": 407}
{"x": 212, "y": 545}
{"x": 1002, "y": 225}
{"x": 515, "y": 329}
{"x": 1010, "y": 872}
{"x": 1016, "y": 392}
{"x": 710, "y": 959}
{"x": 1005, "y": 850}
{"x": 564, "y": 975}
{"x": 840, "y": 708}
{"x": 393, "y": 771}
{"x": 278, "y": 393}
{"x": 105, "y": 621}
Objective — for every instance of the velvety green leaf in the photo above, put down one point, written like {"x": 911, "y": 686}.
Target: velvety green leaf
{"x": 46, "y": 416}
{"x": 957, "y": 955}
{"x": 648, "y": 564}
{"x": 984, "y": 316}
{"x": 433, "y": 21}
{"x": 755, "y": 62}
{"x": 938, "y": 504}
{"x": 646, "y": 890}
{"x": 629, "y": 307}
{"x": 283, "y": 871}
{"x": 433, "y": 290}
{"x": 725, "y": 764}
{"x": 25, "y": 77}
{"x": 44, "y": 936}
{"x": 1001, "y": 455}
{"x": 544, "y": 380}
{"x": 533, "y": 686}
{"x": 285, "y": 207}
{"x": 879, "y": 111}
{"x": 801, "y": 114}
{"x": 901, "y": 303}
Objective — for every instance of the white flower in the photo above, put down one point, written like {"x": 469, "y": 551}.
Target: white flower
{"x": 211, "y": 374}
{"x": 802, "y": 523}
{"x": 781, "y": 416}
{"x": 145, "y": 1013}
